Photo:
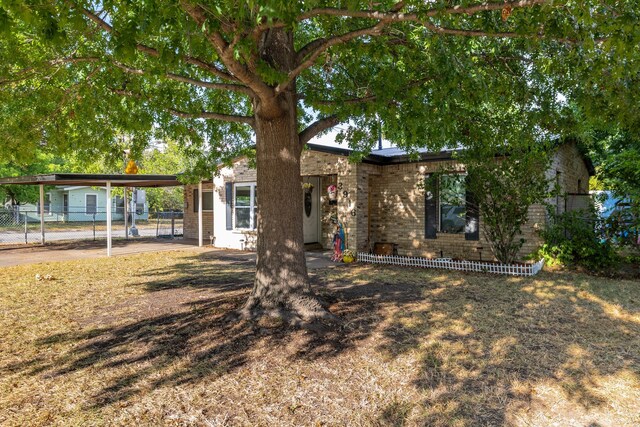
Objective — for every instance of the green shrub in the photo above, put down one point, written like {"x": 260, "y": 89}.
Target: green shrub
{"x": 573, "y": 238}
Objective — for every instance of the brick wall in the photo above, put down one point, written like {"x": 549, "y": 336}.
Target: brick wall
{"x": 191, "y": 217}
{"x": 398, "y": 208}
{"x": 573, "y": 176}
{"x": 386, "y": 204}
{"x": 398, "y": 214}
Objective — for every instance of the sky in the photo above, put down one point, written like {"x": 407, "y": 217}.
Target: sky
{"x": 329, "y": 139}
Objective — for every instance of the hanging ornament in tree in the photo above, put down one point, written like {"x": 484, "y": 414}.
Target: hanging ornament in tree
{"x": 131, "y": 168}
{"x": 506, "y": 13}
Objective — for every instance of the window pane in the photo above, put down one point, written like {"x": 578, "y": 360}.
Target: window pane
{"x": 207, "y": 201}
{"x": 92, "y": 203}
{"x": 452, "y": 203}
{"x": 243, "y": 196}
{"x": 242, "y": 217}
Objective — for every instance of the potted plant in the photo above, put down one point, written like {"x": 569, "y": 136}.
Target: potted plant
{"x": 348, "y": 256}
{"x": 307, "y": 187}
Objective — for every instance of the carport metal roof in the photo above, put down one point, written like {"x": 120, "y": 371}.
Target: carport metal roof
{"x": 99, "y": 180}
{"x": 93, "y": 180}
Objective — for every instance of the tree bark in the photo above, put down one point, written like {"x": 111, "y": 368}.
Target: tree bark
{"x": 282, "y": 288}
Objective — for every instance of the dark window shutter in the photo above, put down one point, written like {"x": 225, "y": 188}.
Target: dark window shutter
{"x": 472, "y": 216}
{"x": 228, "y": 195}
{"x": 431, "y": 206}
{"x": 196, "y": 199}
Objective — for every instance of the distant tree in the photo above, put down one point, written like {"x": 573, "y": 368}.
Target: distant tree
{"x": 214, "y": 74}
{"x": 617, "y": 156}
{"x": 20, "y": 194}
{"x": 164, "y": 159}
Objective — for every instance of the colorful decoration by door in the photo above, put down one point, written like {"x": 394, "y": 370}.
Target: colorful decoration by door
{"x": 338, "y": 243}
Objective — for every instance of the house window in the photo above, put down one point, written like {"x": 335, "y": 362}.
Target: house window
{"x": 245, "y": 206}
{"x": 119, "y": 205}
{"x": 47, "y": 204}
{"x": 452, "y": 203}
{"x": 91, "y": 204}
{"x": 207, "y": 200}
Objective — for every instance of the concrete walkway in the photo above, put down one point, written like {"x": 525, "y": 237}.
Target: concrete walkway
{"x": 35, "y": 254}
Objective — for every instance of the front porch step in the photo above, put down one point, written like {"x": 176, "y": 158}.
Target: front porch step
{"x": 313, "y": 247}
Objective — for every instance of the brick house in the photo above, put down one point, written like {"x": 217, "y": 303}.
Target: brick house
{"x": 379, "y": 200}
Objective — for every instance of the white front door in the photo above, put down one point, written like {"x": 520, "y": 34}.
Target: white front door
{"x": 311, "y": 210}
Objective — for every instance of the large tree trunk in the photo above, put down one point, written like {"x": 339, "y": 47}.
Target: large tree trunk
{"x": 281, "y": 287}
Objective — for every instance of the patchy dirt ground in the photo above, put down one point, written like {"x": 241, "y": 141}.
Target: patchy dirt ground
{"x": 142, "y": 340}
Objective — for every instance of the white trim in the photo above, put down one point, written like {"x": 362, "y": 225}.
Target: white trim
{"x": 76, "y": 187}
{"x": 108, "y": 216}
{"x": 252, "y": 193}
{"x": 85, "y": 202}
{"x": 200, "y": 210}
{"x": 42, "y": 213}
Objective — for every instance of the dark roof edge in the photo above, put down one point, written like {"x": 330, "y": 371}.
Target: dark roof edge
{"x": 90, "y": 179}
{"x": 374, "y": 159}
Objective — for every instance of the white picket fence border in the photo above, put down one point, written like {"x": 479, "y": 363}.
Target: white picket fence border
{"x": 450, "y": 264}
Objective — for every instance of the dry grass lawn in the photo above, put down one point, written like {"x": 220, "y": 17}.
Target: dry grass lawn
{"x": 141, "y": 340}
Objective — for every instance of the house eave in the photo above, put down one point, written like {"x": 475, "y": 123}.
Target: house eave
{"x": 375, "y": 159}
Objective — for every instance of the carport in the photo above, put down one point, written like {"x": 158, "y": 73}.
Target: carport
{"x": 100, "y": 180}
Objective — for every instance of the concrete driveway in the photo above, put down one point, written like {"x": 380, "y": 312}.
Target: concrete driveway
{"x": 53, "y": 252}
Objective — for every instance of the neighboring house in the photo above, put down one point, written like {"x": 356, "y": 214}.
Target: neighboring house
{"x": 380, "y": 200}
{"x": 76, "y": 204}
{"x": 608, "y": 204}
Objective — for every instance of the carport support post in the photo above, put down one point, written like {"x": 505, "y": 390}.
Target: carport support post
{"x": 126, "y": 220}
{"x": 200, "y": 213}
{"x": 108, "y": 218}
{"x": 42, "y": 213}
{"x": 213, "y": 222}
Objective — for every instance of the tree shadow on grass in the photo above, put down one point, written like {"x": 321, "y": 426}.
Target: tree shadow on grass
{"x": 484, "y": 345}
{"x": 481, "y": 342}
{"x": 192, "y": 339}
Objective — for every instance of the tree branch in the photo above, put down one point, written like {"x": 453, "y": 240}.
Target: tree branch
{"x": 473, "y": 33}
{"x": 397, "y": 16}
{"x": 216, "y": 116}
{"x": 53, "y": 62}
{"x": 316, "y": 127}
{"x": 309, "y": 53}
{"x": 226, "y": 54}
{"x": 316, "y": 48}
{"x": 348, "y": 101}
{"x": 210, "y": 85}
{"x": 362, "y": 99}
{"x": 190, "y": 80}
{"x": 154, "y": 52}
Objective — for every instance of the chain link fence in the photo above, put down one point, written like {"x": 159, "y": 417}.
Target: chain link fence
{"x": 21, "y": 224}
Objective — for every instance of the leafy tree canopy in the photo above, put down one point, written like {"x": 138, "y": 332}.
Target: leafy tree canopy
{"x": 41, "y": 163}
{"x": 164, "y": 159}
{"x": 76, "y": 75}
